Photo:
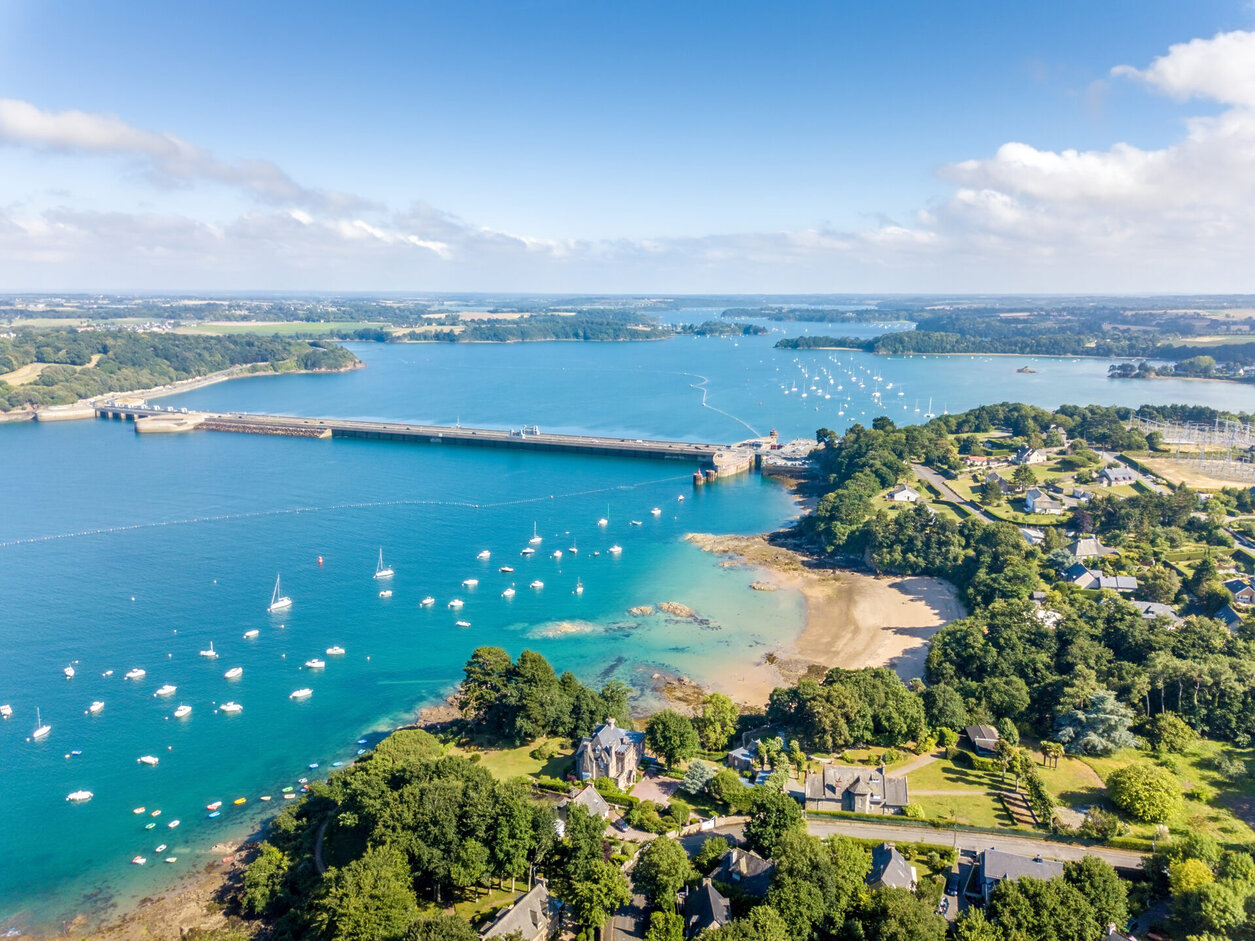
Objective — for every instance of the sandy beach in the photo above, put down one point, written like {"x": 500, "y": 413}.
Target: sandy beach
{"x": 853, "y": 619}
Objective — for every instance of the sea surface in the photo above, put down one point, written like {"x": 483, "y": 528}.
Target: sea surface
{"x": 120, "y": 551}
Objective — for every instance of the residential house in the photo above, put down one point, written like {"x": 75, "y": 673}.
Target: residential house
{"x": 993, "y": 477}
{"x": 1038, "y": 501}
{"x": 610, "y": 752}
{"x": 1243, "y": 591}
{"x": 705, "y": 908}
{"x": 1115, "y": 476}
{"x": 1034, "y": 537}
{"x": 997, "y": 865}
{"x": 902, "y": 494}
{"x": 534, "y": 917}
{"x": 862, "y": 790}
{"x": 744, "y": 758}
{"x": 1089, "y": 547}
{"x": 1027, "y": 455}
{"x": 590, "y": 799}
{"x": 1229, "y": 617}
{"x": 745, "y": 871}
{"x": 891, "y": 870}
{"x": 1153, "y": 609}
{"x": 983, "y": 738}
{"x": 1083, "y": 577}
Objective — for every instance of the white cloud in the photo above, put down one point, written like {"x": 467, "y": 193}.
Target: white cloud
{"x": 1221, "y": 69}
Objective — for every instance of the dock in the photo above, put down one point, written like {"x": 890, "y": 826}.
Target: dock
{"x": 723, "y": 458}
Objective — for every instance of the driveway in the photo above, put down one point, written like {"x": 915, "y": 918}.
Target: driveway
{"x": 943, "y": 488}
{"x": 656, "y": 789}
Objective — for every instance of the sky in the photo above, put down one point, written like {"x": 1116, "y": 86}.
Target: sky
{"x": 633, "y": 147}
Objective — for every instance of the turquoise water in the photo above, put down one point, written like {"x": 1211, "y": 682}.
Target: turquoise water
{"x": 121, "y": 551}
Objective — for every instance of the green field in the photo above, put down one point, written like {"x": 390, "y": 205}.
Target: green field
{"x": 506, "y": 763}
{"x": 286, "y": 328}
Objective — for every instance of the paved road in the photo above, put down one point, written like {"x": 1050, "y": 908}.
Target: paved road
{"x": 932, "y": 477}
{"x": 631, "y": 921}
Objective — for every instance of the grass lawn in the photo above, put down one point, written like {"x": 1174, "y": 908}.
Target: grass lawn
{"x": 975, "y": 810}
{"x": 285, "y": 328}
{"x": 478, "y": 910}
{"x": 506, "y": 763}
{"x": 858, "y": 756}
{"x": 1213, "y": 803}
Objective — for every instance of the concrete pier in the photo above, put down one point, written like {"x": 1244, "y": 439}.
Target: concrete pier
{"x": 726, "y": 459}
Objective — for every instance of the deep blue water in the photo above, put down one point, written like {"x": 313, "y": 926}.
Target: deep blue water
{"x": 121, "y": 551}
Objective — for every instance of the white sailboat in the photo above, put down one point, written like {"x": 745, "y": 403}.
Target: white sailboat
{"x": 210, "y": 654}
{"x": 41, "y": 730}
{"x": 69, "y": 672}
{"x": 381, "y": 570}
{"x": 536, "y": 537}
{"x": 574, "y": 547}
{"x": 579, "y": 587}
{"x": 605, "y": 520}
{"x": 278, "y": 600}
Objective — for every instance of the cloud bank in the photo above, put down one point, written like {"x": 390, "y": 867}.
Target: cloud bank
{"x": 1181, "y": 217}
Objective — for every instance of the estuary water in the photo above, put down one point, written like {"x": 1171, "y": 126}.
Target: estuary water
{"x": 120, "y": 551}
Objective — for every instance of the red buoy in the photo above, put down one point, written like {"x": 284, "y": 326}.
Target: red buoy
{"x": 320, "y": 560}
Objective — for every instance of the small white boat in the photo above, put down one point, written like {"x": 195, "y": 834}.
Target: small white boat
{"x": 78, "y": 797}
{"x": 231, "y": 708}
{"x": 160, "y": 849}
{"x": 249, "y": 635}
{"x": 655, "y": 512}
{"x": 315, "y": 664}
{"x": 139, "y": 810}
{"x": 635, "y": 523}
{"x": 484, "y": 555}
{"x": 172, "y": 859}
{"x": 508, "y": 569}
{"x": 427, "y": 602}
{"x": 456, "y": 603}
{"x": 278, "y": 600}
{"x": 538, "y": 584}
{"x": 182, "y": 712}
{"x": 574, "y": 547}
{"x": 508, "y": 593}
{"x": 605, "y": 520}
{"x": 6, "y": 711}
{"x": 386, "y": 593}
{"x": 463, "y": 623}
{"x": 557, "y": 553}
{"x": 214, "y": 806}
{"x": 381, "y": 570}
{"x": 470, "y": 582}
{"x": 155, "y": 813}
{"x": 166, "y": 690}
{"x": 336, "y": 651}
{"x": 579, "y": 587}
{"x": 95, "y": 708}
{"x": 69, "y": 672}
{"x": 138, "y": 860}
{"x": 680, "y": 498}
{"x": 536, "y": 538}
{"x": 41, "y": 730}
{"x": 300, "y": 694}
{"x": 210, "y": 654}
{"x": 150, "y": 760}
{"x": 107, "y": 673}
{"x": 528, "y": 551}
{"x": 233, "y": 674}
{"x": 136, "y": 674}
{"x": 173, "y": 823}
{"x": 615, "y": 550}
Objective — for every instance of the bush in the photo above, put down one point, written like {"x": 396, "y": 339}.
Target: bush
{"x": 947, "y": 737}
{"x": 914, "y": 812}
{"x": 984, "y": 764}
{"x": 544, "y": 751}
{"x": 1100, "y": 824}
{"x": 1145, "y": 792}
{"x": 1228, "y": 766}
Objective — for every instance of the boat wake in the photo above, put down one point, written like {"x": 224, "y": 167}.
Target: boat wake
{"x": 701, "y": 387}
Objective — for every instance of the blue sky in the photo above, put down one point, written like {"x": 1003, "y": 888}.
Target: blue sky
{"x": 654, "y": 147}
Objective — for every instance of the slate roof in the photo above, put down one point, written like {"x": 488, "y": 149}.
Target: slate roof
{"x": 589, "y": 798}
{"x": 982, "y": 737}
{"x": 997, "y": 865}
{"x": 1117, "y": 475}
{"x": 1152, "y": 609}
{"x": 525, "y": 916}
{"x": 890, "y": 868}
{"x": 611, "y": 737}
{"x": 835, "y": 780}
{"x": 746, "y": 870}
{"x": 1088, "y": 547}
{"x": 705, "y": 908}
{"x": 1228, "y": 616}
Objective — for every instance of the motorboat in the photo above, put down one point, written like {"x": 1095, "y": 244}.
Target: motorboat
{"x": 138, "y": 860}
{"x": 485, "y": 555}
{"x": 78, "y": 797}
{"x": 386, "y": 593}
{"x": 136, "y": 674}
{"x": 635, "y": 523}
{"x": 336, "y": 651}
{"x": 182, "y": 712}
{"x": 456, "y": 603}
{"x": 557, "y": 553}
{"x": 166, "y": 690}
{"x": 210, "y": 654}
{"x": 427, "y": 602}
{"x": 528, "y": 551}
{"x": 508, "y": 569}
{"x": 249, "y": 635}
{"x": 655, "y": 512}
{"x": 301, "y": 694}
{"x": 538, "y": 584}
{"x": 463, "y": 623}
{"x": 381, "y": 570}
{"x": 150, "y": 760}
{"x": 615, "y": 549}
{"x": 315, "y": 664}
{"x": 160, "y": 849}
{"x": 6, "y": 711}
{"x": 234, "y": 673}
{"x": 508, "y": 593}
{"x": 69, "y": 672}
{"x": 214, "y": 806}
{"x": 278, "y": 600}
{"x": 470, "y": 582}
{"x": 173, "y": 823}
{"x": 231, "y": 708}
{"x": 95, "y": 708}
{"x": 579, "y": 587}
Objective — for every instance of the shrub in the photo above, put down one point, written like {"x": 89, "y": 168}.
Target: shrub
{"x": 947, "y": 737}
{"x": 1145, "y": 791}
{"x": 1100, "y": 824}
{"x": 914, "y": 812}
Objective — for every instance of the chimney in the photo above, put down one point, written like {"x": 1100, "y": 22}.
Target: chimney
{"x": 610, "y": 721}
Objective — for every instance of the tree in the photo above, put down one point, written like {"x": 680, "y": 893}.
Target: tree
{"x": 1007, "y": 731}
{"x": 699, "y": 774}
{"x": 1099, "y": 728}
{"x": 1023, "y": 477}
{"x": 772, "y": 815}
{"x": 763, "y": 923}
{"x": 897, "y": 915}
{"x": 1051, "y": 752}
{"x": 716, "y": 722}
{"x": 661, "y": 869}
{"x": 440, "y": 927}
{"x": 990, "y": 493}
{"x": 1218, "y": 907}
{"x": 712, "y": 850}
{"x": 671, "y": 736}
{"x": 727, "y": 787}
{"x": 1040, "y": 910}
{"x": 1145, "y": 791}
{"x": 1105, "y": 891}
{"x": 665, "y": 926}
{"x": 368, "y": 900}
{"x": 470, "y": 865}
{"x": 263, "y": 881}
{"x": 1169, "y": 734}
{"x": 944, "y": 707}
{"x": 597, "y": 891}
{"x": 1186, "y": 875}
{"x": 971, "y": 925}
{"x": 512, "y": 831}
{"x": 483, "y": 689}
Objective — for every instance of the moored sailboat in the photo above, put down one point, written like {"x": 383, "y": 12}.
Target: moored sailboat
{"x": 278, "y": 600}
